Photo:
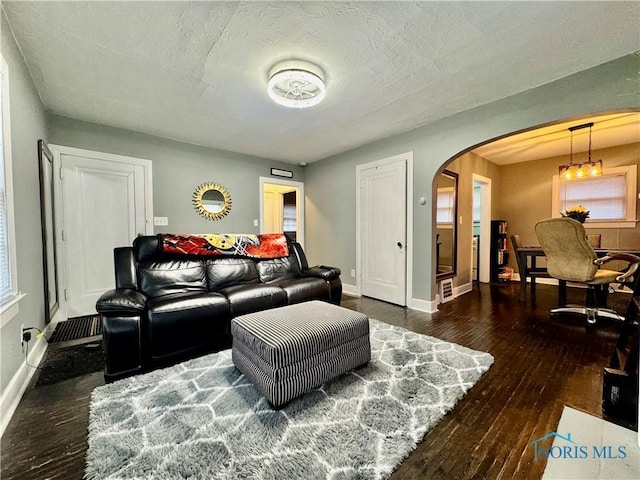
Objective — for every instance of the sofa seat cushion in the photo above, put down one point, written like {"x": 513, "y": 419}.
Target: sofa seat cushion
{"x": 183, "y": 322}
{"x": 253, "y": 297}
{"x": 303, "y": 289}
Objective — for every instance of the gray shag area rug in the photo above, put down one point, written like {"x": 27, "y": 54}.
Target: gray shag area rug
{"x": 202, "y": 419}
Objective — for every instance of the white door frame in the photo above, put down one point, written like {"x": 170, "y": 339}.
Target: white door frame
{"x": 58, "y": 226}
{"x": 300, "y": 198}
{"x": 485, "y": 227}
{"x": 406, "y": 157}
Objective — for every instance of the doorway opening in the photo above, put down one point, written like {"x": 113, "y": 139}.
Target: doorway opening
{"x": 481, "y": 229}
{"x": 282, "y": 208}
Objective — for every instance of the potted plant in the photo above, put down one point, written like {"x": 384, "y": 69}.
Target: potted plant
{"x": 578, "y": 213}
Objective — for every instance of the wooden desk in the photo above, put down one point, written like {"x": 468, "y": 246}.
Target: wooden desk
{"x": 526, "y": 258}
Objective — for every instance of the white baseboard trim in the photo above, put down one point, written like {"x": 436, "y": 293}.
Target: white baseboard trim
{"x": 542, "y": 280}
{"x": 462, "y": 289}
{"x": 423, "y": 305}
{"x": 15, "y": 389}
{"x": 457, "y": 292}
{"x": 350, "y": 290}
{"x": 20, "y": 381}
{"x": 554, "y": 281}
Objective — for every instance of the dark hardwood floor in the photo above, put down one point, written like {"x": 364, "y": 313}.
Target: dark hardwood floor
{"x": 540, "y": 366}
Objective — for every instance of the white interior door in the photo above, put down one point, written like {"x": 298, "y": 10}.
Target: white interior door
{"x": 272, "y": 212}
{"x": 103, "y": 206}
{"x": 383, "y": 231}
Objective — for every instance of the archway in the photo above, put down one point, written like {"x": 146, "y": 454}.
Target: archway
{"x": 520, "y": 167}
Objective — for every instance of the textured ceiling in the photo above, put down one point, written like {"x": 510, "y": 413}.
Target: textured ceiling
{"x": 197, "y": 71}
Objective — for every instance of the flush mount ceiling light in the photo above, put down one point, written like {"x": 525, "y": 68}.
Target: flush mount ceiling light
{"x": 296, "y": 84}
{"x": 590, "y": 168}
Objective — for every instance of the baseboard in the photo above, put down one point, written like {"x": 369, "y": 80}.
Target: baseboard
{"x": 351, "y": 290}
{"x": 462, "y": 289}
{"x": 554, "y": 281}
{"x": 457, "y": 292}
{"x": 18, "y": 384}
{"x": 424, "y": 305}
{"x": 416, "y": 303}
{"x": 542, "y": 280}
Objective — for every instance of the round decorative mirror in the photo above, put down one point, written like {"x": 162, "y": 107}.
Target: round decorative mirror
{"x": 212, "y": 200}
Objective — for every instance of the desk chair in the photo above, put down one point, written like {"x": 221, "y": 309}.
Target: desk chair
{"x": 571, "y": 259}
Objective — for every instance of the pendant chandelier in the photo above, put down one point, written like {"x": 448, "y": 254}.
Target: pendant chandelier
{"x": 590, "y": 168}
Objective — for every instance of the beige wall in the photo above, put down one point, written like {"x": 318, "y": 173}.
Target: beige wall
{"x": 465, "y": 166}
{"x": 525, "y": 196}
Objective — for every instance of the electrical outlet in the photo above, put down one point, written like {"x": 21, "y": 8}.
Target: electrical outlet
{"x": 25, "y": 335}
{"x": 353, "y": 273}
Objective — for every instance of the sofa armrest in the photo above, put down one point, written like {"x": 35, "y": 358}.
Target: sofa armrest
{"x": 322, "y": 271}
{"x": 121, "y": 302}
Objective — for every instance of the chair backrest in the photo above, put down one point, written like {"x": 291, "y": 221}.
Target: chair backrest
{"x": 569, "y": 256}
{"x": 515, "y": 243}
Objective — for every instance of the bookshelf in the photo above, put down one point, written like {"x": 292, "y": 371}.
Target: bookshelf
{"x": 499, "y": 252}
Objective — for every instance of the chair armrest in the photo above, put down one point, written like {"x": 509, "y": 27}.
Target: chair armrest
{"x": 322, "y": 271}
{"x": 121, "y": 301}
{"x": 632, "y": 260}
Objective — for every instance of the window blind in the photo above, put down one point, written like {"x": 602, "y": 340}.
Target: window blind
{"x": 605, "y": 197}
{"x": 5, "y": 265}
{"x": 289, "y": 218}
{"x": 444, "y": 206}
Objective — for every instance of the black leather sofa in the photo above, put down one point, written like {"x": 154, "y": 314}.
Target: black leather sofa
{"x": 167, "y": 308}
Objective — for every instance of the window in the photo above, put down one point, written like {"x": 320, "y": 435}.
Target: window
{"x": 289, "y": 218}
{"x": 610, "y": 198}
{"x": 444, "y": 207}
{"x": 8, "y": 287}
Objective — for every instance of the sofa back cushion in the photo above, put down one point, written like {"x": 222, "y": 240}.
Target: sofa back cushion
{"x": 278, "y": 269}
{"x": 146, "y": 248}
{"x": 171, "y": 276}
{"x": 225, "y": 272}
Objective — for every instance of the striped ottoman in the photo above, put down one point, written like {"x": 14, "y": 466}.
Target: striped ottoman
{"x": 290, "y": 350}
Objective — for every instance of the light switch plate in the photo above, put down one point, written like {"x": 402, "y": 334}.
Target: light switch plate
{"x": 161, "y": 221}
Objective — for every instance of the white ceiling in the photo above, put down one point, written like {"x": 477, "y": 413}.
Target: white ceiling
{"x": 197, "y": 71}
{"x": 555, "y": 140}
